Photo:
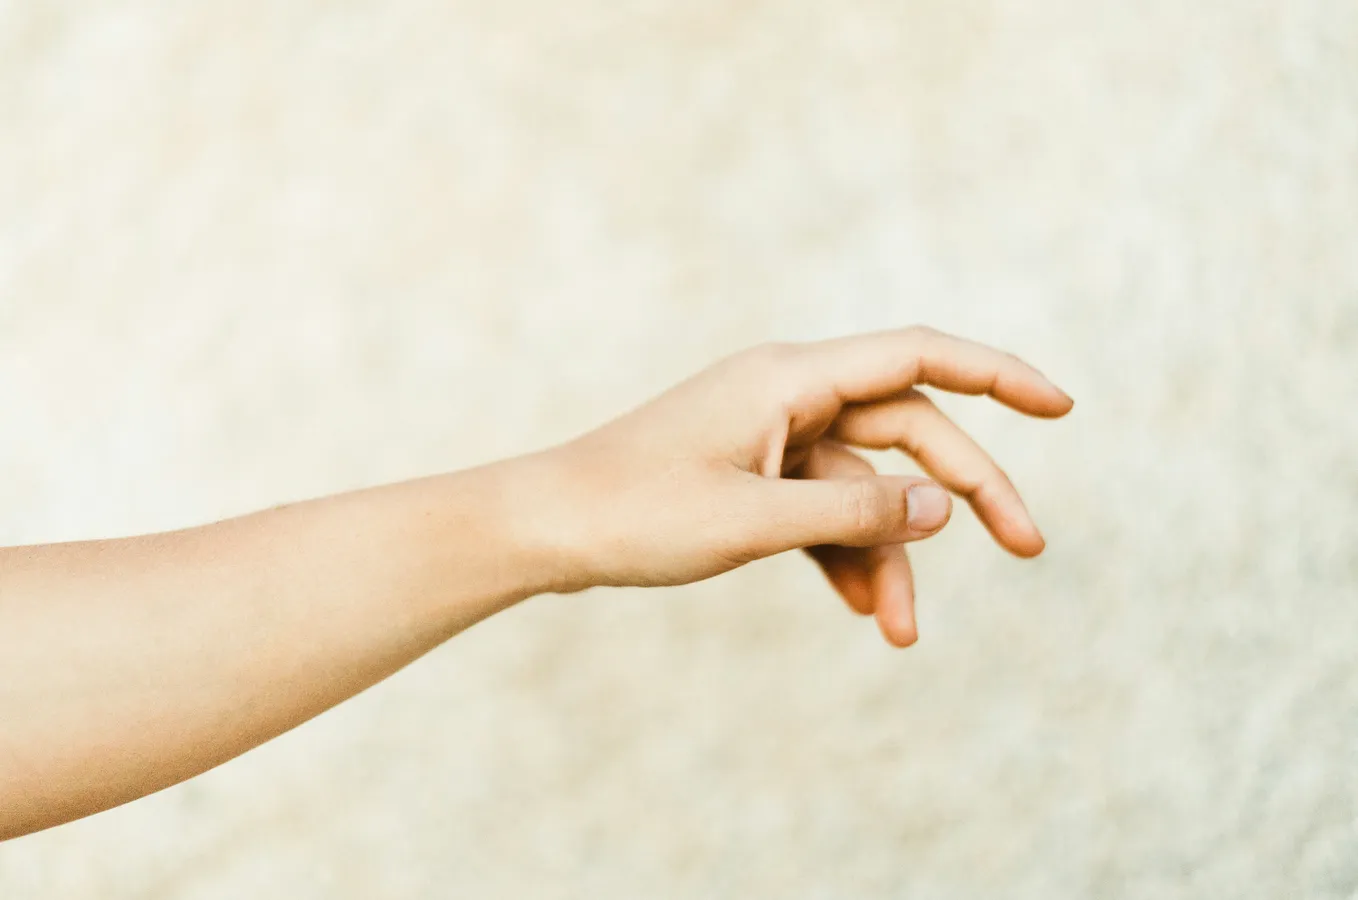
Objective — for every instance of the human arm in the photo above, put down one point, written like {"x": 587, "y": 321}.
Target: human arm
{"x": 128, "y": 665}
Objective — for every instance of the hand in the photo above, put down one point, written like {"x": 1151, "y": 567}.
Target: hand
{"x": 751, "y": 458}
{"x": 131, "y": 664}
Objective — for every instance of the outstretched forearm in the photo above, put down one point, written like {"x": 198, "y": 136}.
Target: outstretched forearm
{"x": 129, "y": 665}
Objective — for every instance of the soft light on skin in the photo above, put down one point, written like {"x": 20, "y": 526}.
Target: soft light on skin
{"x": 129, "y": 665}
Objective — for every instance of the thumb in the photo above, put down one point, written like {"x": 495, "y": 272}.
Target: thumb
{"x": 853, "y": 512}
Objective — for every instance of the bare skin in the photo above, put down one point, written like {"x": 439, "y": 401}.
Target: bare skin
{"x": 129, "y": 665}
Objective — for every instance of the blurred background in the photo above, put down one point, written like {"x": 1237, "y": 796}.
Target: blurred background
{"x": 253, "y": 252}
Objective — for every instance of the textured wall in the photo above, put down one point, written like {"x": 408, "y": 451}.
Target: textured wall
{"x": 256, "y": 251}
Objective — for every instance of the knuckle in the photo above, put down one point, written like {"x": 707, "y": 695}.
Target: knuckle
{"x": 773, "y": 356}
{"x": 865, "y": 506}
{"x": 774, "y": 366}
{"x": 918, "y": 339}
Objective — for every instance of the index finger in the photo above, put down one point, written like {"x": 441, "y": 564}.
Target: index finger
{"x": 871, "y": 367}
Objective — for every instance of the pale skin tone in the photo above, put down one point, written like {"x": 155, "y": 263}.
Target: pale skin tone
{"x": 129, "y": 665}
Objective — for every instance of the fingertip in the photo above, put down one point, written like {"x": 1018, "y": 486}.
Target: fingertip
{"x": 1021, "y": 537}
{"x": 1032, "y": 393}
{"x": 855, "y": 588}
{"x": 1029, "y": 547}
{"x": 1056, "y": 404}
{"x": 896, "y": 621}
{"x": 898, "y": 634}
{"x": 857, "y": 598}
{"x": 1006, "y": 517}
{"x": 903, "y": 639}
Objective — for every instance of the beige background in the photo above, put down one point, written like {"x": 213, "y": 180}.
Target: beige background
{"x": 257, "y": 251}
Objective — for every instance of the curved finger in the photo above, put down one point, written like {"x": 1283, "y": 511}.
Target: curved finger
{"x": 849, "y": 569}
{"x": 871, "y": 367}
{"x": 872, "y": 580}
{"x": 849, "y": 573}
{"x": 913, "y": 423}
{"x": 894, "y": 590}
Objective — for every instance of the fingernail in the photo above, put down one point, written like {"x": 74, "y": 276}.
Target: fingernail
{"x": 926, "y": 507}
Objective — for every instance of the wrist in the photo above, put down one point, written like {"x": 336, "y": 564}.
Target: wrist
{"x": 541, "y": 517}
